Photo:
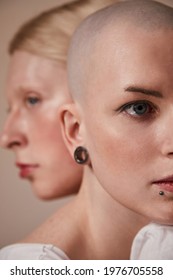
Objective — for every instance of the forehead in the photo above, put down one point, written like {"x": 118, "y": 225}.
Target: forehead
{"x": 23, "y": 63}
{"x": 29, "y": 70}
{"x": 133, "y": 57}
{"x": 132, "y": 50}
{"x": 117, "y": 40}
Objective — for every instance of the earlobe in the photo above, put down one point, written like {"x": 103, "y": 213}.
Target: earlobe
{"x": 70, "y": 126}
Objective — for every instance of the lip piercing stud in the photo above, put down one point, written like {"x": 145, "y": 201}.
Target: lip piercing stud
{"x": 161, "y": 193}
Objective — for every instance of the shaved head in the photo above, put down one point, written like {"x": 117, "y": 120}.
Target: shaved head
{"x": 99, "y": 31}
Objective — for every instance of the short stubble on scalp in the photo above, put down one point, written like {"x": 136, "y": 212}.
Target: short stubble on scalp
{"x": 149, "y": 16}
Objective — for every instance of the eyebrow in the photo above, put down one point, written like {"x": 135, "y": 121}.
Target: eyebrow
{"x": 145, "y": 91}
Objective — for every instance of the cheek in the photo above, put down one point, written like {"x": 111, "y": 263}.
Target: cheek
{"x": 45, "y": 123}
{"x": 118, "y": 151}
{"x": 51, "y": 151}
{"x": 119, "y": 144}
{"x": 45, "y": 138}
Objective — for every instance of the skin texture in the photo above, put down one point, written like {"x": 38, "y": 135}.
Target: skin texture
{"x": 119, "y": 141}
{"x": 36, "y": 87}
{"x": 124, "y": 119}
{"x": 128, "y": 151}
{"x": 148, "y": 15}
{"x": 46, "y": 35}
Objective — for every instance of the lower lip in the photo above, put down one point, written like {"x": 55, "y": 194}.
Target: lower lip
{"x": 165, "y": 186}
{"x": 26, "y": 171}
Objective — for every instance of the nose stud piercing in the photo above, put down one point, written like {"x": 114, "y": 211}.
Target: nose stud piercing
{"x": 161, "y": 193}
{"x": 81, "y": 155}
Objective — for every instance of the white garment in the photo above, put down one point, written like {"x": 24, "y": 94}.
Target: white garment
{"x": 153, "y": 242}
{"x": 27, "y": 251}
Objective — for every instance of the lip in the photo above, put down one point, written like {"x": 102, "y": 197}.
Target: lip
{"x": 165, "y": 183}
{"x": 26, "y": 170}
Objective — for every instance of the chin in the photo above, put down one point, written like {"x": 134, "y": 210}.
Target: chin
{"x": 43, "y": 194}
{"x": 165, "y": 219}
{"x": 46, "y": 195}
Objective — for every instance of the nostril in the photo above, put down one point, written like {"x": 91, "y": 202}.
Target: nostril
{"x": 6, "y": 142}
{"x": 170, "y": 154}
{"x": 13, "y": 144}
{"x": 12, "y": 139}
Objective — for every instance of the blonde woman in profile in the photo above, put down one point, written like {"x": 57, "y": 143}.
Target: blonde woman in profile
{"x": 37, "y": 81}
{"x": 119, "y": 128}
{"x": 36, "y": 87}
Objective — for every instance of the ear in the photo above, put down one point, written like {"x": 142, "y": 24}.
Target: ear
{"x": 71, "y": 126}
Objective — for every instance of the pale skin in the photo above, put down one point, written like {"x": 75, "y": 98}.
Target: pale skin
{"x": 36, "y": 87}
{"x": 44, "y": 159}
{"x": 129, "y": 148}
{"x": 124, "y": 120}
{"x": 144, "y": 141}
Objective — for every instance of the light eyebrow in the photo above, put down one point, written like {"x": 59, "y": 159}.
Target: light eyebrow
{"x": 145, "y": 91}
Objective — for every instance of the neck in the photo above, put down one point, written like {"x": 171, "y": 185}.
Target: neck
{"x": 106, "y": 226}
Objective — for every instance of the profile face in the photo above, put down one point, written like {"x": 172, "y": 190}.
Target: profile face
{"x": 36, "y": 87}
{"x": 129, "y": 120}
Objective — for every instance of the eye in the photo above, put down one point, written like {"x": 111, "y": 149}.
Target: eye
{"x": 32, "y": 100}
{"x": 139, "y": 109}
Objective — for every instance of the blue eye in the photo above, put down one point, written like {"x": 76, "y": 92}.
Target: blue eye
{"x": 139, "y": 109}
{"x": 32, "y": 100}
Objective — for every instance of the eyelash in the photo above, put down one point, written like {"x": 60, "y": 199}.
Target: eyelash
{"x": 32, "y": 100}
{"x": 150, "y": 109}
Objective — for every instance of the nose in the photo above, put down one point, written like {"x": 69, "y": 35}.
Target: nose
{"x": 12, "y": 135}
{"x": 166, "y": 136}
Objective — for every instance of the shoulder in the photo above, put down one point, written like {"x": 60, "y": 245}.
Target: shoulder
{"x": 27, "y": 251}
{"x": 153, "y": 241}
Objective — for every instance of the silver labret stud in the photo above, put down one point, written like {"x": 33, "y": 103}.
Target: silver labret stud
{"x": 161, "y": 193}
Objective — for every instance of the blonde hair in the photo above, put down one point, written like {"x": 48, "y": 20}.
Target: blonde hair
{"x": 49, "y": 33}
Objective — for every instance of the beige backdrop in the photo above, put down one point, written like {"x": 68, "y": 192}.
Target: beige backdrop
{"x": 20, "y": 211}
